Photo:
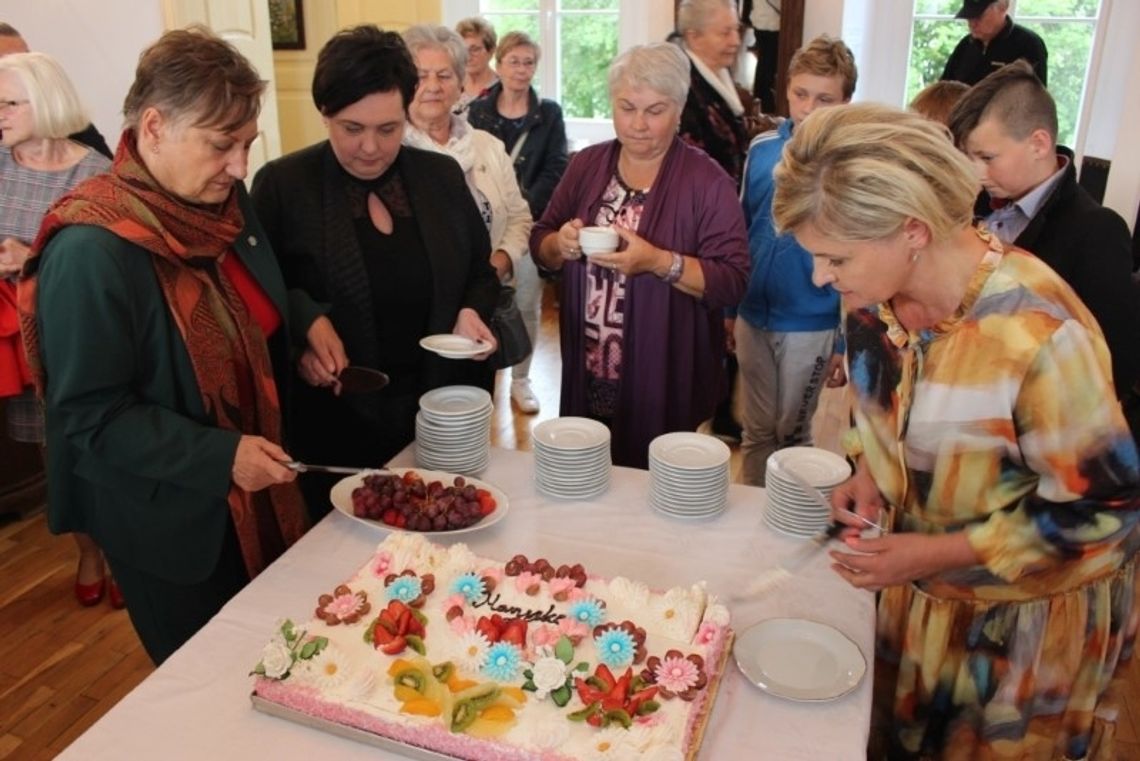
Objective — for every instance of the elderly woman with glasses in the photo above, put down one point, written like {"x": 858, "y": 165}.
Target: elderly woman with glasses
{"x": 533, "y": 132}
{"x": 479, "y": 39}
{"x": 642, "y": 328}
{"x": 39, "y": 109}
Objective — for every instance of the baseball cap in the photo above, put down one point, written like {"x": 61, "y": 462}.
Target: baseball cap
{"x": 973, "y": 8}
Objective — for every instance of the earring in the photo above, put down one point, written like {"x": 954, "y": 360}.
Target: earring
{"x": 154, "y": 148}
{"x": 913, "y": 257}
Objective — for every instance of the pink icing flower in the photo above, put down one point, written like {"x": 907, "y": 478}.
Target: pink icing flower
{"x": 454, "y": 601}
{"x": 380, "y": 564}
{"x": 577, "y": 593}
{"x": 462, "y": 625}
{"x": 527, "y": 580}
{"x": 573, "y": 628}
{"x": 494, "y": 574}
{"x": 544, "y": 636}
{"x": 563, "y": 585}
{"x": 707, "y": 633}
{"x": 343, "y": 606}
{"x": 676, "y": 674}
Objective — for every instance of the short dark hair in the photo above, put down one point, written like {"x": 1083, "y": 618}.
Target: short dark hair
{"x": 358, "y": 62}
{"x": 7, "y": 30}
{"x": 192, "y": 73}
{"x": 1014, "y": 96}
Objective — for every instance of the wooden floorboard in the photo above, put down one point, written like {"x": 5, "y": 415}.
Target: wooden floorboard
{"x": 66, "y": 666}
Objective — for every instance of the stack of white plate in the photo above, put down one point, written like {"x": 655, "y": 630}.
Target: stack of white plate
{"x": 688, "y": 475}
{"x": 571, "y": 458}
{"x": 790, "y": 509}
{"x": 453, "y": 430}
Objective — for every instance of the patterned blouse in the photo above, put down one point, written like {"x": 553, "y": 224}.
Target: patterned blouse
{"x": 1000, "y": 421}
{"x": 605, "y": 302}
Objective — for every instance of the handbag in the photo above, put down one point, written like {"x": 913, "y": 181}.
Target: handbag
{"x": 510, "y": 332}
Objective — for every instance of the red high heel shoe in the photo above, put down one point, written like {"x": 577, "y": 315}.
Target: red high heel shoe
{"x": 116, "y": 596}
{"x": 89, "y": 595}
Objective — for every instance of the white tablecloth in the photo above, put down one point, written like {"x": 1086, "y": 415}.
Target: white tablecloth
{"x": 196, "y": 706}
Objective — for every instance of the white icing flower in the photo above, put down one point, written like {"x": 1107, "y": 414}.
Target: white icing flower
{"x": 327, "y": 669}
{"x": 471, "y": 651}
{"x": 549, "y": 674}
{"x": 613, "y": 744}
{"x": 276, "y": 659}
{"x": 678, "y": 612}
{"x": 359, "y": 685}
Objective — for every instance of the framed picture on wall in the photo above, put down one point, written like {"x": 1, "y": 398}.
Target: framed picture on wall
{"x": 286, "y": 24}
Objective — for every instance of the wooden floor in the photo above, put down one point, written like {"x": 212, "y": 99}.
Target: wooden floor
{"x": 62, "y": 666}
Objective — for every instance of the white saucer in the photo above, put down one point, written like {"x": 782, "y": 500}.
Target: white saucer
{"x": 454, "y": 346}
{"x": 567, "y": 434}
{"x": 689, "y": 451}
{"x": 799, "y": 659}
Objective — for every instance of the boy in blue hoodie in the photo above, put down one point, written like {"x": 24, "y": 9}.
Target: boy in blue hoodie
{"x": 786, "y": 330}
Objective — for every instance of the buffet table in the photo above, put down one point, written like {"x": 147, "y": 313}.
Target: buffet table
{"x": 197, "y": 704}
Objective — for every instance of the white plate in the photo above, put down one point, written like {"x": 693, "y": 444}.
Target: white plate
{"x": 818, "y": 467}
{"x": 689, "y": 451}
{"x": 453, "y": 346}
{"x": 570, "y": 434}
{"x": 341, "y": 497}
{"x": 799, "y": 659}
{"x": 454, "y": 401}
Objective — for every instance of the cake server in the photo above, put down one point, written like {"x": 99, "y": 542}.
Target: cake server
{"x": 304, "y": 467}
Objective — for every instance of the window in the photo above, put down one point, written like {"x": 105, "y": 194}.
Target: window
{"x": 579, "y": 39}
{"x": 1068, "y": 27}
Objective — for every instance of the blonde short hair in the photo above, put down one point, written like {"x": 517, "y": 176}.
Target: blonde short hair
{"x": 826, "y": 56}
{"x": 56, "y": 109}
{"x": 858, "y": 173}
{"x": 516, "y": 39}
{"x": 693, "y": 15}
{"x": 479, "y": 27}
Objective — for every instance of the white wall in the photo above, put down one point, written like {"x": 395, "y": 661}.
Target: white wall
{"x": 97, "y": 43}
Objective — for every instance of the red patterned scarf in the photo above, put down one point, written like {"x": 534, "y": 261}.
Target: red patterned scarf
{"x": 227, "y": 350}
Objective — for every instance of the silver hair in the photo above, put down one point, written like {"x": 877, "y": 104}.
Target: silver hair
{"x": 692, "y": 15}
{"x": 661, "y": 66}
{"x": 437, "y": 37}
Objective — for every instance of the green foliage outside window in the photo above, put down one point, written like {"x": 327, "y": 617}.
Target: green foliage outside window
{"x": 587, "y": 33}
{"x": 1066, "y": 26}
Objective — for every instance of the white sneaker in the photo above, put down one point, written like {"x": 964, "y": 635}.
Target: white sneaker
{"x": 523, "y": 395}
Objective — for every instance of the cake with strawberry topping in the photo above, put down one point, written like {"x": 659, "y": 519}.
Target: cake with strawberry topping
{"x": 438, "y": 648}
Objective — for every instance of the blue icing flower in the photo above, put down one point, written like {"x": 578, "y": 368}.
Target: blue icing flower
{"x": 615, "y": 648}
{"x": 589, "y": 612}
{"x": 405, "y": 589}
{"x": 470, "y": 586}
{"x": 503, "y": 661}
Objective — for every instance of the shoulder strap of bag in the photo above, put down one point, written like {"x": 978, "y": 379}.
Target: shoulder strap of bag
{"x": 519, "y": 144}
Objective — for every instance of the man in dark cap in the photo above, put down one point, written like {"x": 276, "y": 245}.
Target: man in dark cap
{"x": 994, "y": 40}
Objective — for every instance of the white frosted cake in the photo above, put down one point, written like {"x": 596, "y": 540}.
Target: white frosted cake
{"x": 437, "y": 648}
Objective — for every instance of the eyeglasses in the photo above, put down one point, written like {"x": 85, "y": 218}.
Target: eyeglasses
{"x": 520, "y": 63}
{"x": 7, "y": 104}
{"x": 476, "y": 50}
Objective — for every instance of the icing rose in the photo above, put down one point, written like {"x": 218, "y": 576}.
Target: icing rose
{"x": 549, "y": 673}
{"x": 707, "y": 633}
{"x": 560, "y": 588}
{"x": 277, "y": 659}
{"x": 528, "y": 583}
{"x": 381, "y": 563}
{"x": 573, "y": 629}
{"x": 544, "y": 636}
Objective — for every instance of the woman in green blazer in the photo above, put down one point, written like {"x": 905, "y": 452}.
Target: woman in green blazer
{"x": 153, "y": 313}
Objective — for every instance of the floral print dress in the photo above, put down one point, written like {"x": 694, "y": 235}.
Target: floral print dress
{"x": 1001, "y": 422}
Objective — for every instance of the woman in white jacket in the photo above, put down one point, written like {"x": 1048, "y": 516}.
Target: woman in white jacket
{"x": 440, "y": 57}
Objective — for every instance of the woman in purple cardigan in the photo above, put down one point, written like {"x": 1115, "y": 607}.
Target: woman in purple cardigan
{"x": 642, "y": 328}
